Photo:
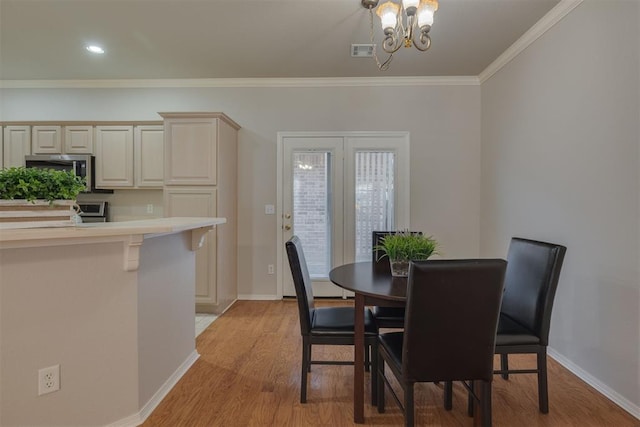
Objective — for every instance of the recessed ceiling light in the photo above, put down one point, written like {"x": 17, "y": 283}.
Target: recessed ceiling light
{"x": 95, "y": 49}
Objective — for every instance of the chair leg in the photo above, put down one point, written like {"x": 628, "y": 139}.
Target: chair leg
{"x": 485, "y": 397}
{"x": 408, "y": 406}
{"x": 543, "y": 392}
{"x": 367, "y": 358}
{"x": 306, "y": 365}
{"x": 470, "y": 399}
{"x": 374, "y": 375}
{"x": 448, "y": 395}
{"x": 504, "y": 365}
{"x": 380, "y": 385}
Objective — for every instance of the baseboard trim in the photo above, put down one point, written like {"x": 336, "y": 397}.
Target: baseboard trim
{"x": 609, "y": 393}
{"x": 228, "y": 307}
{"x": 140, "y": 417}
{"x": 256, "y": 297}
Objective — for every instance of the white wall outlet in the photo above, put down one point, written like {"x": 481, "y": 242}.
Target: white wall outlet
{"x": 149, "y": 208}
{"x": 270, "y": 269}
{"x": 48, "y": 380}
{"x": 269, "y": 210}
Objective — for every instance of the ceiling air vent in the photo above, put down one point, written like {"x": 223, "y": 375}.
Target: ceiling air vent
{"x": 362, "y": 50}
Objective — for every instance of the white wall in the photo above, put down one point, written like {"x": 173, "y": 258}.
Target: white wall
{"x": 560, "y": 162}
{"x": 71, "y": 310}
{"x": 444, "y": 122}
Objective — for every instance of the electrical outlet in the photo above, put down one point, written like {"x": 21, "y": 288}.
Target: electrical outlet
{"x": 149, "y": 208}
{"x": 48, "y": 380}
{"x": 270, "y": 269}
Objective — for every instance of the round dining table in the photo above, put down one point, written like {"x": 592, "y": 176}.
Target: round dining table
{"x": 371, "y": 286}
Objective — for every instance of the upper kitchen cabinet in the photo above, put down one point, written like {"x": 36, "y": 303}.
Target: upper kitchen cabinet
{"x": 52, "y": 139}
{"x": 46, "y": 139}
{"x": 114, "y": 156}
{"x": 16, "y": 143}
{"x": 192, "y": 146}
{"x": 78, "y": 139}
{"x": 149, "y": 156}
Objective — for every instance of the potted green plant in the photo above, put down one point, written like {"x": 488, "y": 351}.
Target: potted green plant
{"x": 405, "y": 246}
{"x": 33, "y": 197}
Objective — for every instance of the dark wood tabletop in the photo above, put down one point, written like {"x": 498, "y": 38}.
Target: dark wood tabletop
{"x": 363, "y": 278}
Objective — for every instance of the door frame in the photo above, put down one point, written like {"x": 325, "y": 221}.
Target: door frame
{"x": 403, "y": 182}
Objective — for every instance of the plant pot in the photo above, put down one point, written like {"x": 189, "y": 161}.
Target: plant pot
{"x": 399, "y": 268}
{"x": 36, "y": 214}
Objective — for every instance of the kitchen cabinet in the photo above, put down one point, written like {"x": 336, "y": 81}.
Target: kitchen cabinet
{"x": 114, "y": 156}
{"x": 191, "y": 150}
{"x": 201, "y": 163}
{"x": 78, "y": 139}
{"x": 198, "y": 202}
{"x": 46, "y": 139}
{"x": 128, "y": 154}
{"x": 16, "y": 143}
{"x": 149, "y": 156}
{"x": 52, "y": 139}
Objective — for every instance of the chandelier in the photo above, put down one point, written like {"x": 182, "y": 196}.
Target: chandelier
{"x": 403, "y": 25}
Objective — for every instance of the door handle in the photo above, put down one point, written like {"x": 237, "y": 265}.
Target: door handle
{"x": 287, "y": 227}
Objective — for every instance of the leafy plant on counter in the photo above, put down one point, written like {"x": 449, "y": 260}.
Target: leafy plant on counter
{"x": 406, "y": 246}
{"x": 34, "y": 183}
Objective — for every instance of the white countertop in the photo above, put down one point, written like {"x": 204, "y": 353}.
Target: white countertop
{"x": 22, "y": 236}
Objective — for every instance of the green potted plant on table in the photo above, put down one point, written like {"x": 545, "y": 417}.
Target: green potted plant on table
{"x": 32, "y": 197}
{"x": 405, "y": 246}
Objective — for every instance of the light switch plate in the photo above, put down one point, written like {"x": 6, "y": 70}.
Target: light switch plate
{"x": 269, "y": 209}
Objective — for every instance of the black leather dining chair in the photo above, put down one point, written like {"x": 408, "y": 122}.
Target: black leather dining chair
{"x": 448, "y": 335}
{"x": 326, "y": 325}
{"x": 531, "y": 281}
{"x": 386, "y": 317}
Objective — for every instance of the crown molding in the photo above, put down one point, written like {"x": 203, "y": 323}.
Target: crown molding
{"x": 542, "y": 26}
{"x": 244, "y": 82}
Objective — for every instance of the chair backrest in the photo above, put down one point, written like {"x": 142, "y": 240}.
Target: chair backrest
{"x": 301, "y": 282}
{"x": 531, "y": 281}
{"x": 451, "y": 319}
{"x": 382, "y": 264}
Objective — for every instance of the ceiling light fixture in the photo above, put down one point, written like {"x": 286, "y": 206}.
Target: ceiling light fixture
{"x": 95, "y": 49}
{"x": 403, "y": 25}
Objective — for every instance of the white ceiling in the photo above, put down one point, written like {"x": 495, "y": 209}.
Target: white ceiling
{"x": 183, "y": 39}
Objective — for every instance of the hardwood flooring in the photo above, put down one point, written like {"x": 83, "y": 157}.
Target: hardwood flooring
{"x": 249, "y": 375}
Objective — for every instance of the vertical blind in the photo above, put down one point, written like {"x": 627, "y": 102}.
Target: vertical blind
{"x": 374, "y": 198}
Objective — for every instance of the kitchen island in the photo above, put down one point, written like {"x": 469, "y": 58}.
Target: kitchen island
{"x": 112, "y": 304}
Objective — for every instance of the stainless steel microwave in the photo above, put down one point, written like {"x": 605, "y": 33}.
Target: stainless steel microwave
{"x": 81, "y": 164}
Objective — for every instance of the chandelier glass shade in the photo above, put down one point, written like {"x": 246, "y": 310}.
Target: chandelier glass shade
{"x": 404, "y": 24}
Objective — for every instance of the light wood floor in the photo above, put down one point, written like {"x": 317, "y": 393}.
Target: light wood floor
{"x": 249, "y": 375}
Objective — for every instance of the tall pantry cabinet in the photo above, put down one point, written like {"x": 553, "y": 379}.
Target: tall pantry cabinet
{"x": 200, "y": 179}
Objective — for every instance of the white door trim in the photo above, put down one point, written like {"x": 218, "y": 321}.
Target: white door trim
{"x": 403, "y": 214}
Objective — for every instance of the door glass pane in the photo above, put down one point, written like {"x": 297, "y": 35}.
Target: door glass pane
{"x": 374, "y": 198}
{"x": 311, "y": 209}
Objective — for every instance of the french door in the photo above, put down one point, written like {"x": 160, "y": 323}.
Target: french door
{"x": 334, "y": 190}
